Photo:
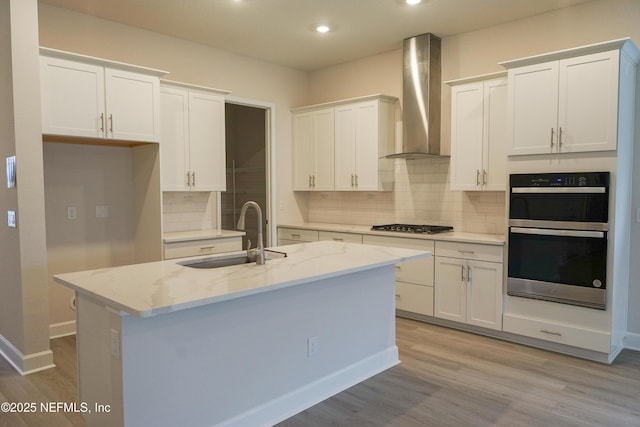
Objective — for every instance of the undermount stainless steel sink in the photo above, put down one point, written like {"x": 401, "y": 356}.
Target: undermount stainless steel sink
{"x": 228, "y": 260}
{"x": 216, "y": 262}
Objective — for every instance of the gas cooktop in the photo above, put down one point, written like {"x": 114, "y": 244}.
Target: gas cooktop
{"x": 413, "y": 228}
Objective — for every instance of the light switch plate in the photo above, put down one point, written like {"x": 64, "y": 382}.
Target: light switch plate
{"x": 72, "y": 212}
{"x": 11, "y": 172}
{"x": 11, "y": 219}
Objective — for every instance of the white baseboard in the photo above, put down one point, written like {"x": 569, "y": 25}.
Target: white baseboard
{"x": 62, "y": 329}
{"x": 632, "y": 341}
{"x": 25, "y": 364}
{"x": 303, "y": 398}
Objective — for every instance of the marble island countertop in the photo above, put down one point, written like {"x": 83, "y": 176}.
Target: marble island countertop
{"x": 153, "y": 288}
{"x": 454, "y": 236}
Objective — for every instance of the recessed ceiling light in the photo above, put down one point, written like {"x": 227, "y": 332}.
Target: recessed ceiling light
{"x": 412, "y": 2}
{"x": 323, "y": 28}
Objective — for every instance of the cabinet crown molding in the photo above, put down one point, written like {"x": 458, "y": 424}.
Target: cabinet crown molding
{"x": 165, "y": 82}
{"x": 625, "y": 45}
{"x": 378, "y": 96}
{"x": 61, "y": 54}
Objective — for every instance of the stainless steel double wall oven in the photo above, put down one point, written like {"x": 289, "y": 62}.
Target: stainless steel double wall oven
{"x": 558, "y": 229}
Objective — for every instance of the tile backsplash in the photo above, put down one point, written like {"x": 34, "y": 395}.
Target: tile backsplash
{"x": 421, "y": 195}
{"x": 187, "y": 211}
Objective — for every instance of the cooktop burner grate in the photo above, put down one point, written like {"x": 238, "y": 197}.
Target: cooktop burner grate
{"x": 413, "y": 228}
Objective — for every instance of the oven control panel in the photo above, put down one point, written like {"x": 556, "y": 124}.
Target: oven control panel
{"x": 568, "y": 179}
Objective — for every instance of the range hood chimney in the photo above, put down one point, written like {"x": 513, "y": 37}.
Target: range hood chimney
{"x": 421, "y": 98}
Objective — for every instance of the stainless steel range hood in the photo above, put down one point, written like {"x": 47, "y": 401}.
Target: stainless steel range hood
{"x": 421, "y": 98}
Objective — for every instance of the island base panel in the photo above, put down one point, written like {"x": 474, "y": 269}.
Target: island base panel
{"x": 245, "y": 361}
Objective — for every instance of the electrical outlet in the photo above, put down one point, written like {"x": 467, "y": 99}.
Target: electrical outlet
{"x": 312, "y": 346}
{"x": 102, "y": 211}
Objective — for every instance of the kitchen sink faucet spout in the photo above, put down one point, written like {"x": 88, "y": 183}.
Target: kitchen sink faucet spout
{"x": 259, "y": 252}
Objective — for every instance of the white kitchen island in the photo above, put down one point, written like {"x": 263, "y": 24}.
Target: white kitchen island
{"x": 164, "y": 344}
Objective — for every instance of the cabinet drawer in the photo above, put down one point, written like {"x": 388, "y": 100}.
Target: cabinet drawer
{"x": 201, "y": 247}
{"x": 414, "y": 298}
{"x": 475, "y": 251}
{"x": 340, "y": 237}
{"x": 419, "y": 271}
{"x": 297, "y": 234}
{"x": 559, "y": 333}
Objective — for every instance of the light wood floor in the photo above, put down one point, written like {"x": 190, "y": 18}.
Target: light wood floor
{"x": 446, "y": 378}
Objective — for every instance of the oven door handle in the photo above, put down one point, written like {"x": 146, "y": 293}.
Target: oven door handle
{"x": 552, "y": 232}
{"x": 556, "y": 190}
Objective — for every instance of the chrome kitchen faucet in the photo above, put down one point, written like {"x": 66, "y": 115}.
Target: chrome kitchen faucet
{"x": 257, "y": 253}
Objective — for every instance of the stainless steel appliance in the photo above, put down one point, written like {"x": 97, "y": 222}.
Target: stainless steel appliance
{"x": 413, "y": 228}
{"x": 558, "y": 225}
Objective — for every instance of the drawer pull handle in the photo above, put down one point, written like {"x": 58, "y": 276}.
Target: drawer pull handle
{"x": 467, "y": 252}
{"x": 397, "y": 295}
{"x": 295, "y": 236}
{"x": 337, "y": 239}
{"x": 398, "y": 267}
{"x": 545, "y": 331}
{"x": 206, "y": 248}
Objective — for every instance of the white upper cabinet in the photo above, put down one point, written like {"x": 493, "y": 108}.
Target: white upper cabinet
{"x": 567, "y": 101}
{"x": 340, "y": 145}
{"x": 93, "y": 98}
{"x": 478, "y": 134}
{"x": 192, "y": 146}
{"x": 313, "y": 150}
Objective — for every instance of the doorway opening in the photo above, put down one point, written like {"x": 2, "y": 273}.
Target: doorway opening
{"x": 248, "y": 169}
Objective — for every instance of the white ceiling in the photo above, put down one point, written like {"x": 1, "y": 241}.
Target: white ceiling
{"x": 280, "y": 31}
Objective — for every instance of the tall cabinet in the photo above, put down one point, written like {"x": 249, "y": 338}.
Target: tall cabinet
{"x": 192, "y": 145}
{"x": 575, "y": 110}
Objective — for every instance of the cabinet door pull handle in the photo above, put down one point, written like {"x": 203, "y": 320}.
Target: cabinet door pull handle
{"x": 188, "y": 179}
{"x": 462, "y": 273}
{"x": 477, "y": 177}
{"x": 111, "y": 123}
{"x": 314, "y": 181}
{"x": 545, "y": 331}
{"x": 102, "y": 122}
{"x": 352, "y": 180}
{"x": 560, "y": 138}
{"x": 193, "y": 179}
{"x": 484, "y": 177}
{"x": 468, "y": 274}
{"x": 551, "y": 140}
{"x": 356, "y": 180}
{"x": 310, "y": 181}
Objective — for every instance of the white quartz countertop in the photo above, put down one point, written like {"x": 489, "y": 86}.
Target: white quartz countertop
{"x": 182, "y": 236}
{"x": 165, "y": 286}
{"x": 453, "y": 236}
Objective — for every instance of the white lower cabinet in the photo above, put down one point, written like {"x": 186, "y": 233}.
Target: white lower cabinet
{"x": 197, "y": 247}
{"x": 291, "y": 236}
{"x": 468, "y": 284}
{"x": 340, "y": 237}
{"x": 414, "y": 279}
